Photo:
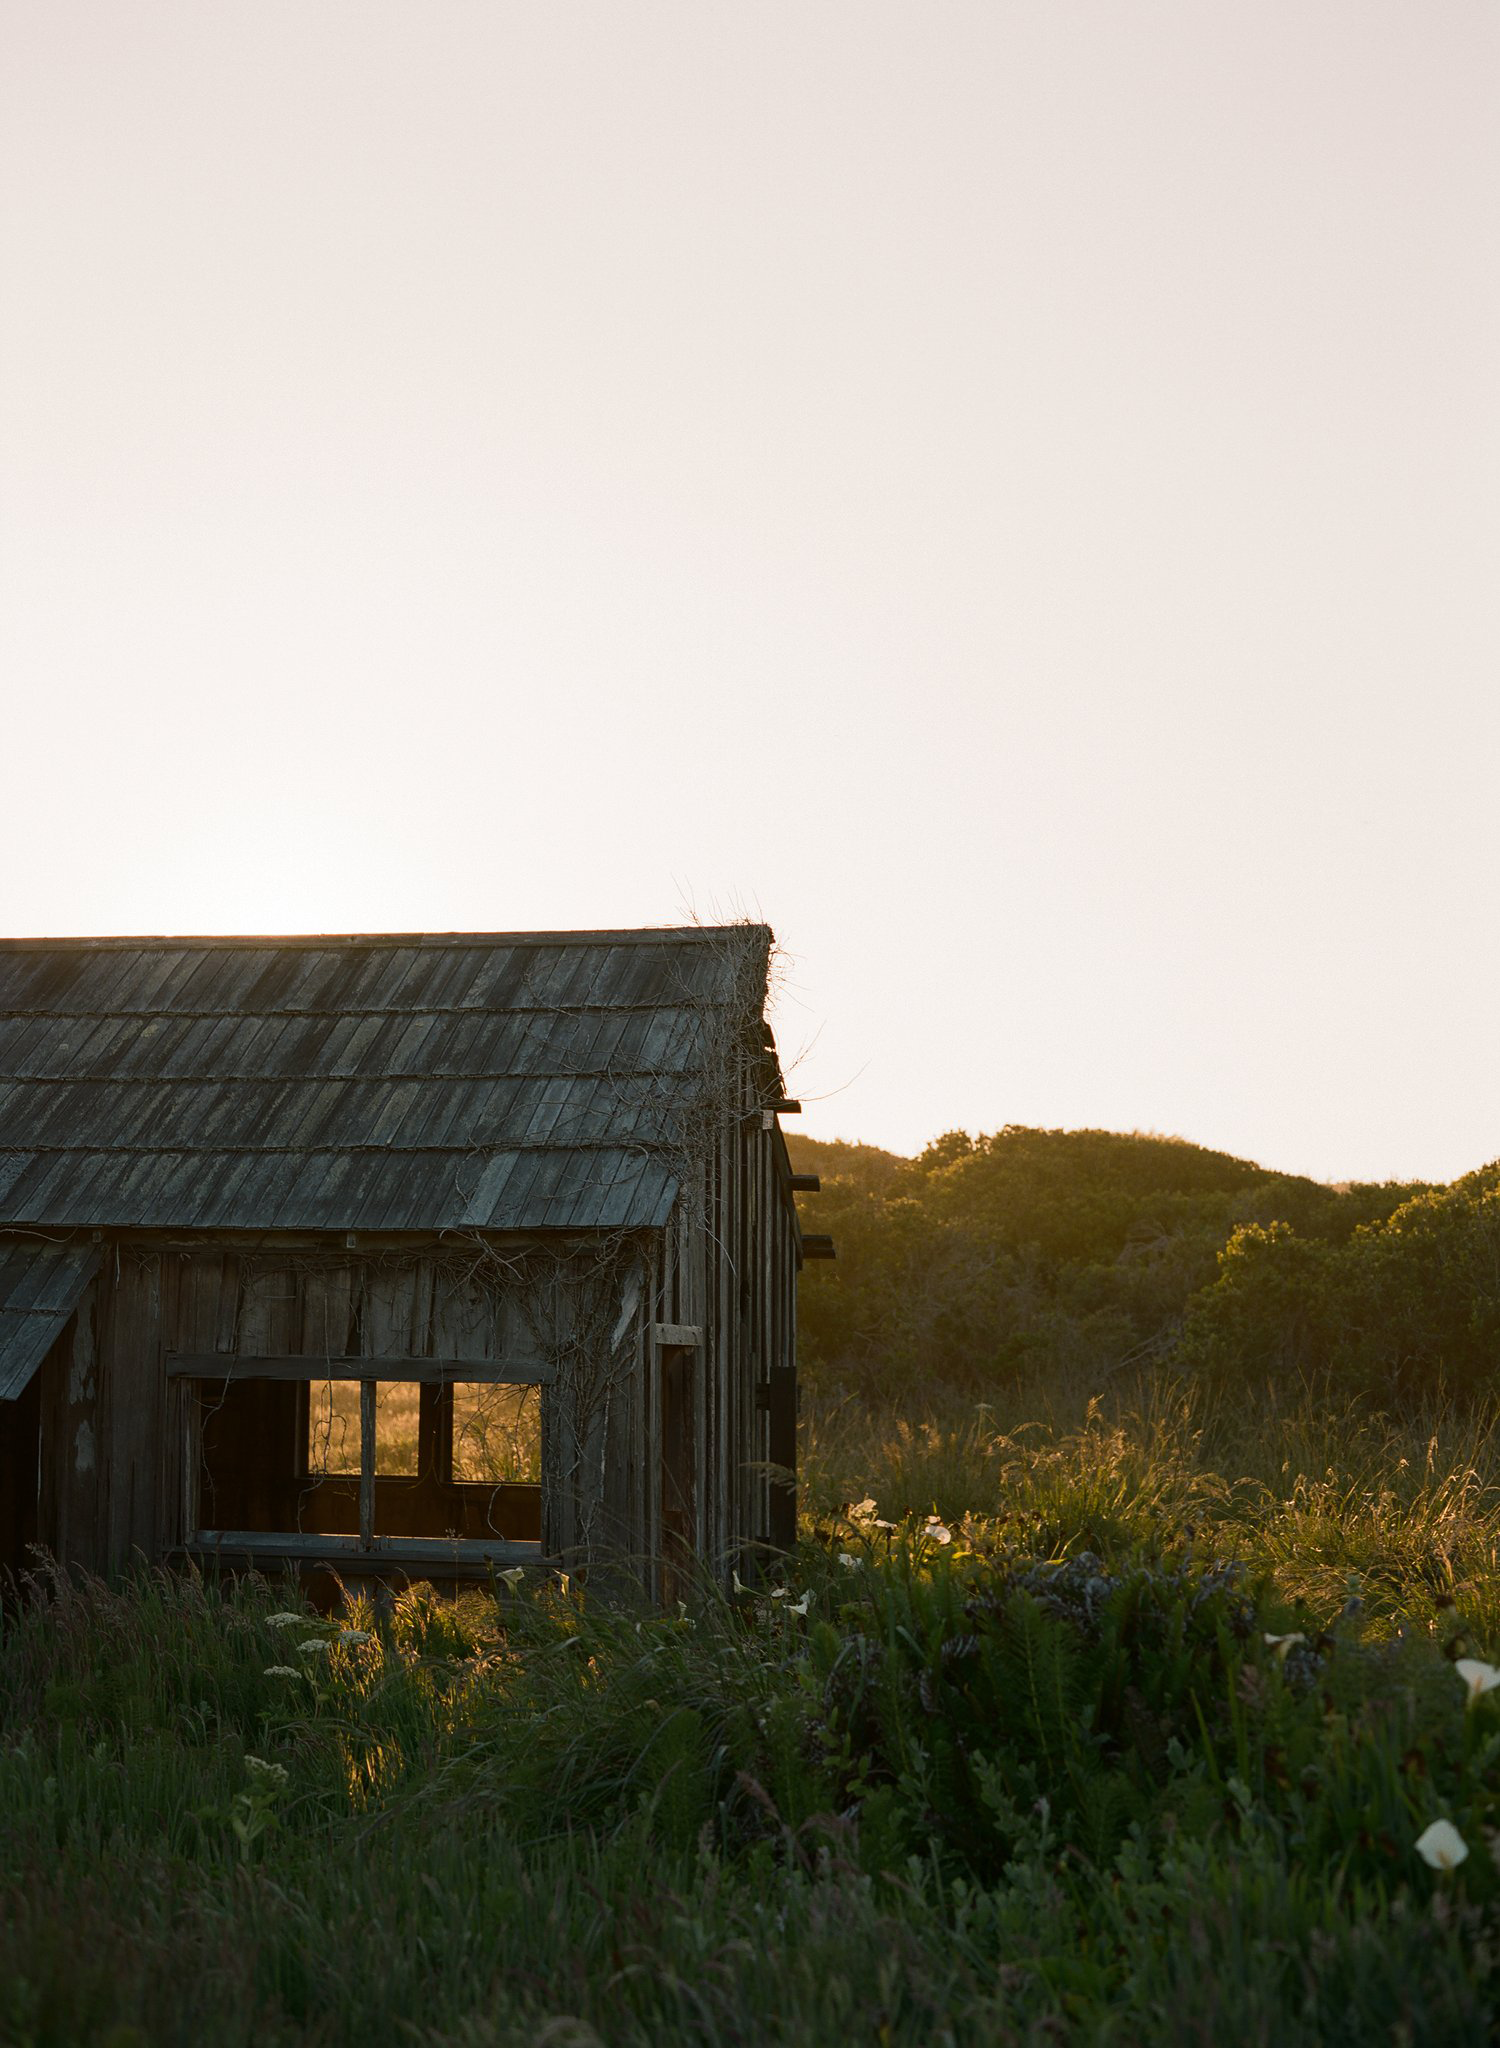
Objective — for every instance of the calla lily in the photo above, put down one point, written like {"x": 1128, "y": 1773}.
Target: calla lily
{"x": 938, "y": 1529}
{"x": 800, "y": 1606}
{"x": 849, "y": 1561}
{"x": 1441, "y": 1846}
{"x": 1477, "y": 1676}
{"x": 739, "y": 1584}
{"x": 778, "y": 1592}
{"x": 1281, "y": 1644}
{"x": 514, "y": 1576}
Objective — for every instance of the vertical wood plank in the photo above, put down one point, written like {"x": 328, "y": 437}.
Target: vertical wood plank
{"x": 73, "y": 1487}
{"x": 134, "y": 1381}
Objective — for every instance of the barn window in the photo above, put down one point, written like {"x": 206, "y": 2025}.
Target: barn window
{"x": 332, "y": 1458}
{"x": 469, "y": 1432}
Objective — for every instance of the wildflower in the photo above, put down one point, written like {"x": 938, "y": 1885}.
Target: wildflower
{"x": 801, "y": 1606}
{"x": 779, "y": 1592}
{"x": 849, "y": 1561}
{"x": 863, "y": 1515}
{"x": 286, "y": 1620}
{"x": 514, "y": 1576}
{"x": 1477, "y": 1676}
{"x": 265, "y": 1773}
{"x": 938, "y": 1530}
{"x": 281, "y": 1671}
{"x": 314, "y": 1643}
{"x": 355, "y": 1635}
{"x": 739, "y": 1584}
{"x": 1281, "y": 1644}
{"x": 1442, "y": 1846}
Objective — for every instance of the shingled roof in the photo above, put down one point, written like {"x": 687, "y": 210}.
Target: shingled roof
{"x": 498, "y": 1081}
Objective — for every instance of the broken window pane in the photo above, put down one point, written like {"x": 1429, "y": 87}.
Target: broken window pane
{"x": 497, "y": 1434}
{"x": 398, "y": 1405}
{"x": 333, "y": 1427}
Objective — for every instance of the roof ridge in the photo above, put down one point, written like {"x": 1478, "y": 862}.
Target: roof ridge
{"x": 637, "y": 935}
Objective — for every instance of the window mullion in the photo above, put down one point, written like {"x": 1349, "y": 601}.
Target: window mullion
{"x": 366, "y": 1463}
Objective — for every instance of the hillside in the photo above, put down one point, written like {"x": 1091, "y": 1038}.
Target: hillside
{"x": 1034, "y": 1247}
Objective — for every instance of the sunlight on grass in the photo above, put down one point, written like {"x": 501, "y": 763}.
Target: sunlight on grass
{"x": 1326, "y": 1495}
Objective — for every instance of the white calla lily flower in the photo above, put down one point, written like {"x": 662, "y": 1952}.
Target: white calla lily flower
{"x": 1441, "y": 1846}
{"x": 1477, "y": 1676}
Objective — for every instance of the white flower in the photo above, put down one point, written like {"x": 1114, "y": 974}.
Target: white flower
{"x": 1477, "y": 1676}
{"x": 514, "y": 1576}
{"x": 800, "y": 1606}
{"x": 849, "y": 1561}
{"x": 863, "y": 1515}
{"x": 287, "y": 1620}
{"x": 739, "y": 1584}
{"x": 355, "y": 1635}
{"x": 1281, "y": 1644}
{"x": 281, "y": 1671}
{"x": 1442, "y": 1846}
{"x": 314, "y": 1643}
{"x": 938, "y": 1530}
{"x": 778, "y": 1592}
{"x": 268, "y": 1774}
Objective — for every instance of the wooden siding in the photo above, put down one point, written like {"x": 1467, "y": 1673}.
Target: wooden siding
{"x": 123, "y": 1436}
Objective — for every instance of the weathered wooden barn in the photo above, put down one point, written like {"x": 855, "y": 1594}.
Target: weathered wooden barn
{"x": 415, "y": 1256}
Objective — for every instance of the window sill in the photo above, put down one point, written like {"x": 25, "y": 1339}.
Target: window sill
{"x": 450, "y": 1556}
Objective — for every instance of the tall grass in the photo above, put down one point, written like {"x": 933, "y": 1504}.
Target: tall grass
{"x": 1020, "y": 1768}
{"x": 1321, "y": 1491}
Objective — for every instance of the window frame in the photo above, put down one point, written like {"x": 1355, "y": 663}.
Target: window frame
{"x": 191, "y": 1369}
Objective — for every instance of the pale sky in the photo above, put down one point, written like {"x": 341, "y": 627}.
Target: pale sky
{"x": 1009, "y": 493}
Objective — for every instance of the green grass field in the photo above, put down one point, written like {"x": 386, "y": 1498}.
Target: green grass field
{"x": 1022, "y": 1768}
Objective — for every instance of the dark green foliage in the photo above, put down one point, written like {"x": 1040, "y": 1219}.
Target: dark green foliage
{"x": 1407, "y": 1302}
{"x": 973, "y": 1795}
{"x": 1028, "y": 1251}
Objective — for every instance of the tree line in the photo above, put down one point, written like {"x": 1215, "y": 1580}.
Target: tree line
{"x": 990, "y": 1256}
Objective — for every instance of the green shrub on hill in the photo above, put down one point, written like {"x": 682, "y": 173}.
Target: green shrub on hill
{"x": 1407, "y": 1302}
{"x": 1062, "y": 1249}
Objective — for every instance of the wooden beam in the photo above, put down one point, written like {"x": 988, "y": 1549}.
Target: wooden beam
{"x": 817, "y": 1245}
{"x": 805, "y": 1183}
{"x": 236, "y": 1365}
{"x": 687, "y": 1334}
{"x": 392, "y": 1550}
